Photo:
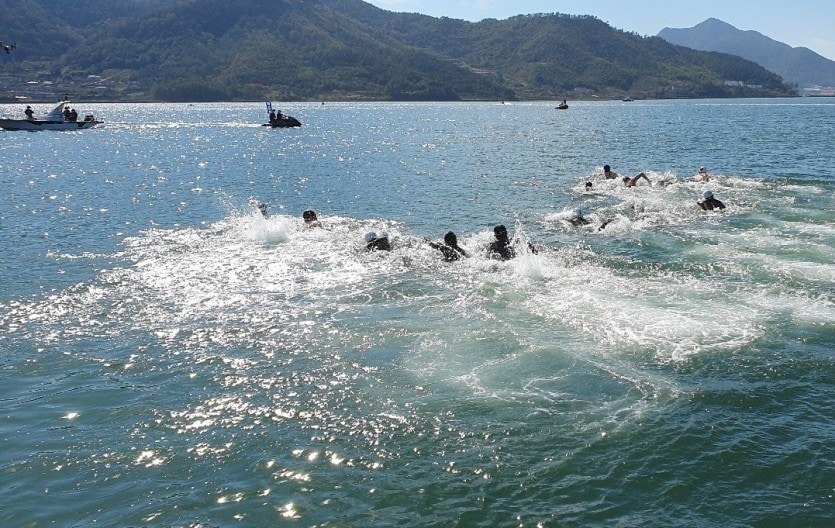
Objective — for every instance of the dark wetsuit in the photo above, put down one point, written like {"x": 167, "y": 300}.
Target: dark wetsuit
{"x": 381, "y": 244}
{"x": 502, "y": 249}
{"x": 709, "y": 204}
{"x": 450, "y": 253}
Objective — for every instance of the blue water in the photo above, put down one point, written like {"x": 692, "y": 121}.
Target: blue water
{"x": 172, "y": 358}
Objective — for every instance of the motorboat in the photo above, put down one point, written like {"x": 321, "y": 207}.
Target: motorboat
{"x": 279, "y": 120}
{"x": 55, "y": 119}
{"x": 562, "y": 106}
{"x": 283, "y": 121}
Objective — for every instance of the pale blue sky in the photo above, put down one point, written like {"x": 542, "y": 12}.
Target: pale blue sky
{"x": 807, "y": 23}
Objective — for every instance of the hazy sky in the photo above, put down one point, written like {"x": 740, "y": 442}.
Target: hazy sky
{"x": 807, "y": 23}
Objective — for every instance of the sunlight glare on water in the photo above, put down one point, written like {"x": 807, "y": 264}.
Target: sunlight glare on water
{"x": 173, "y": 357}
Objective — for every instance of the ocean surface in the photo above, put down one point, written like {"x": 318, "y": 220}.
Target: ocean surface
{"x": 172, "y": 358}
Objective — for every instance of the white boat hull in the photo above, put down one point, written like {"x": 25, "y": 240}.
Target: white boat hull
{"x": 36, "y": 124}
{"x": 55, "y": 119}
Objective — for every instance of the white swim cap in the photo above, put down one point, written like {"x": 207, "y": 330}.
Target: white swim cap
{"x": 370, "y": 236}
{"x": 707, "y": 194}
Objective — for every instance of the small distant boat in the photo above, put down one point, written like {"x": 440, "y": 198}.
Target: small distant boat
{"x": 279, "y": 120}
{"x": 55, "y": 119}
{"x": 283, "y": 121}
{"x": 627, "y": 99}
{"x": 562, "y": 106}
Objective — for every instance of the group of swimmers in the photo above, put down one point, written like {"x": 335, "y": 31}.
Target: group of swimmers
{"x": 709, "y": 202}
{"x": 502, "y": 247}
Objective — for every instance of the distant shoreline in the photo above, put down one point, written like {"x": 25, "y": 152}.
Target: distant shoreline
{"x": 27, "y": 101}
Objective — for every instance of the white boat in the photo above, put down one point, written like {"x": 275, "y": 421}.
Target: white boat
{"x": 52, "y": 120}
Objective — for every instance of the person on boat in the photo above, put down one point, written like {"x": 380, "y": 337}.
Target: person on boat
{"x": 703, "y": 175}
{"x": 374, "y": 242}
{"x": 710, "y": 203}
{"x": 450, "y": 248}
{"x": 578, "y": 219}
{"x": 66, "y": 113}
{"x": 310, "y": 219}
{"x": 272, "y": 116}
{"x": 633, "y": 181}
{"x": 73, "y": 115}
{"x": 263, "y": 208}
{"x": 30, "y": 114}
{"x": 608, "y": 173}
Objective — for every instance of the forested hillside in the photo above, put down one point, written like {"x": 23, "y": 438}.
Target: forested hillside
{"x": 205, "y": 50}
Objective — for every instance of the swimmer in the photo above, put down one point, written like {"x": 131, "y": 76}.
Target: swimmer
{"x": 310, "y": 219}
{"x": 710, "y": 203}
{"x": 373, "y": 242}
{"x": 578, "y": 219}
{"x": 633, "y": 181}
{"x": 450, "y": 248}
{"x": 502, "y": 247}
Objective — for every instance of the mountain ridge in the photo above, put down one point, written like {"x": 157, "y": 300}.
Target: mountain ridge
{"x": 212, "y": 50}
{"x": 800, "y": 66}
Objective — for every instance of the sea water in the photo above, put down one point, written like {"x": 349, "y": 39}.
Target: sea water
{"x": 170, "y": 357}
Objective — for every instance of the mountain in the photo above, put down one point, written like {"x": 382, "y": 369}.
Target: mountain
{"x": 212, "y": 50}
{"x": 800, "y": 66}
